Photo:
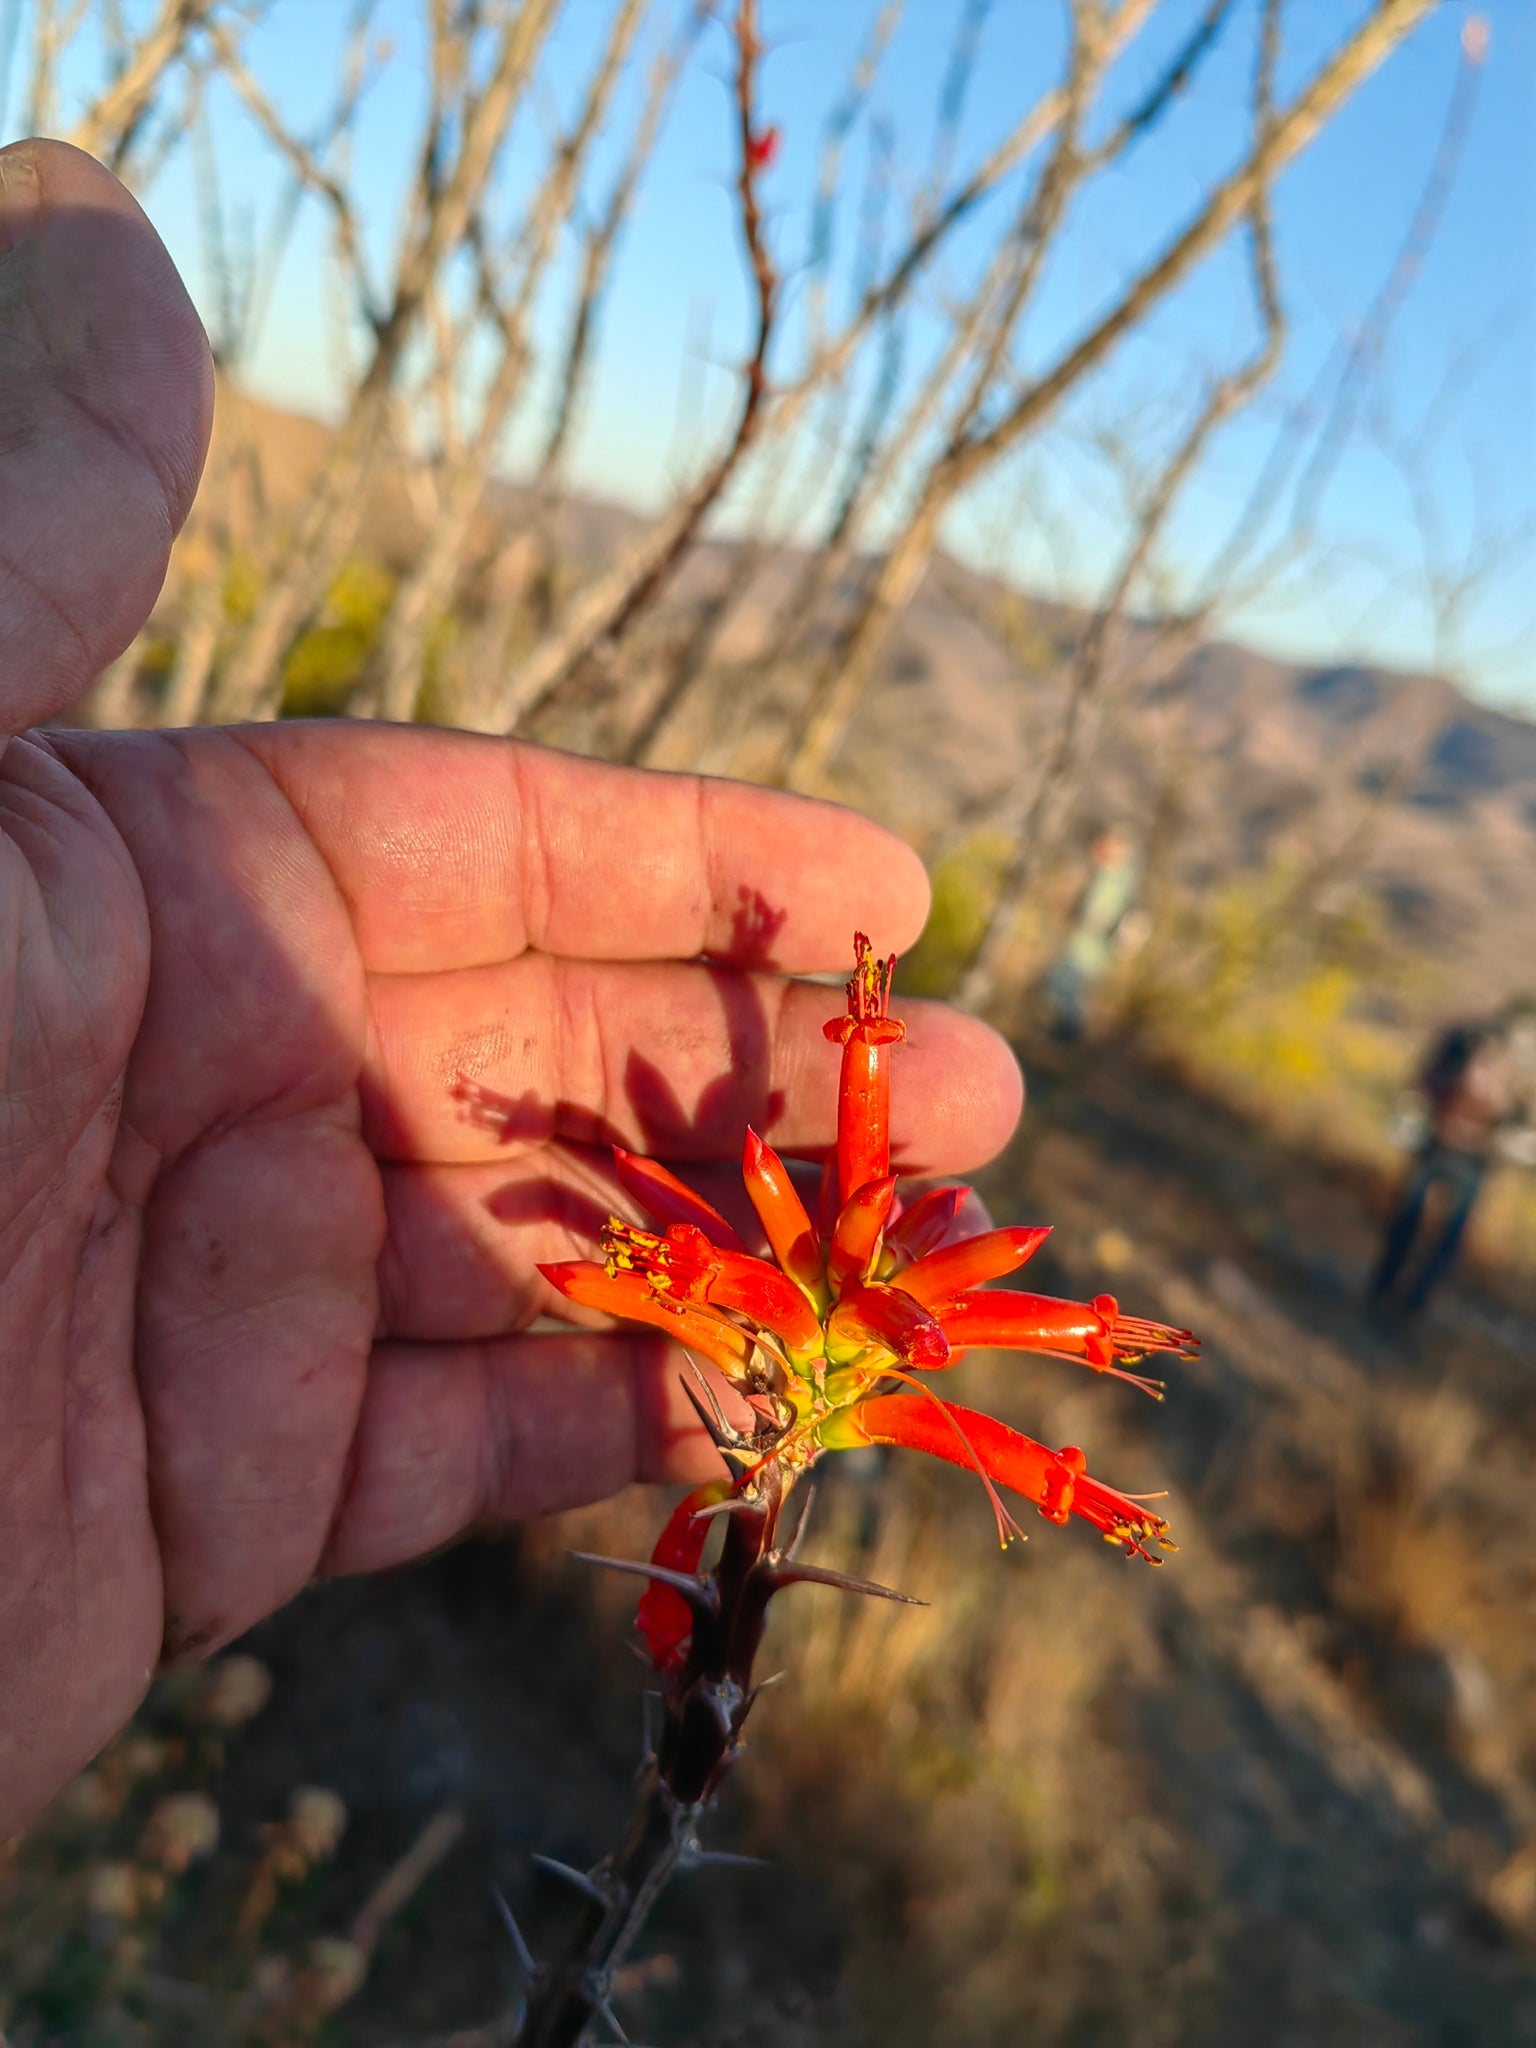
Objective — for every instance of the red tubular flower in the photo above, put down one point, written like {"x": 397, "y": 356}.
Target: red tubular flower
{"x": 975, "y": 1259}
{"x": 866, "y": 1034}
{"x": 764, "y": 1295}
{"x": 849, "y": 1305}
{"x": 791, "y": 1235}
{"x": 632, "y": 1296}
{"x": 683, "y": 1266}
{"x": 1054, "y": 1480}
{"x": 1094, "y": 1332}
{"x": 886, "y": 1317}
{"x": 927, "y": 1224}
{"x": 664, "y": 1617}
{"x": 856, "y": 1234}
{"x": 662, "y": 1195}
{"x": 763, "y": 149}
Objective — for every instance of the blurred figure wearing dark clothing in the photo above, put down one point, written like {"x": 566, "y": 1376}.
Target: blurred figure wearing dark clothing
{"x": 1479, "y": 1105}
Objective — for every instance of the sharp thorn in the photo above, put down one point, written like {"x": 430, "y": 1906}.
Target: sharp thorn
{"x": 793, "y": 1550}
{"x": 734, "y": 1506}
{"x": 814, "y": 1575}
{"x": 588, "y": 1887}
{"x": 693, "y": 1590}
{"x": 609, "y": 2018}
{"x": 702, "y": 1858}
{"x": 710, "y": 1413}
{"x": 705, "y": 1399}
{"x": 524, "y": 1954}
{"x": 773, "y": 1678}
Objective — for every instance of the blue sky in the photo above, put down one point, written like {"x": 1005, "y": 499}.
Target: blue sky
{"x": 1457, "y": 371}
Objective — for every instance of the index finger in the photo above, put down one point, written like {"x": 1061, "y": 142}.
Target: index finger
{"x": 455, "y": 850}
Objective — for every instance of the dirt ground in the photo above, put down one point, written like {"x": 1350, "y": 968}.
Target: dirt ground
{"x": 1282, "y": 1792}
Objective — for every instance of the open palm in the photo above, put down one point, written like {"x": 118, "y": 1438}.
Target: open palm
{"x": 311, "y": 1038}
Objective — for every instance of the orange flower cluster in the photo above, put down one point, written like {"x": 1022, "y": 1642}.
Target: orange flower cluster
{"x": 832, "y": 1340}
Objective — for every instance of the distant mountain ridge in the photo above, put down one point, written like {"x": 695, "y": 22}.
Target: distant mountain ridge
{"x": 1278, "y": 757}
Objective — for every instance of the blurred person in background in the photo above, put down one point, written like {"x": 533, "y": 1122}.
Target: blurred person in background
{"x": 1105, "y": 925}
{"x": 1476, "y": 1103}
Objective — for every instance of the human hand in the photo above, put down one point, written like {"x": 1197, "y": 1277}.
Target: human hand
{"x": 311, "y": 1038}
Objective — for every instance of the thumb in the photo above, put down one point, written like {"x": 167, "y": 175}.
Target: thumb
{"x": 106, "y": 400}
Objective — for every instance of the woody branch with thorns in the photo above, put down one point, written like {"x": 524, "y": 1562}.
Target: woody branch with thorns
{"x": 827, "y": 1344}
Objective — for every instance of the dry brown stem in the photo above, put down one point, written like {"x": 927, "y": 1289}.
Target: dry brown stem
{"x": 108, "y": 125}
{"x": 448, "y": 190}
{"x": 428, "y": 590}
{"x": 605, "y": 614}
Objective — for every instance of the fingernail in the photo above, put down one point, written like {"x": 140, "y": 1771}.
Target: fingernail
{"x": 18, "y": 197}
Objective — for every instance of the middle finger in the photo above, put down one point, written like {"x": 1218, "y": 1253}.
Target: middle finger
{"x": 671, "y": 1059}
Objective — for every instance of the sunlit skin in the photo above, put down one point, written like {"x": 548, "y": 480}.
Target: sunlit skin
{"x": 831, "y": 1340}
{"x": 314, "y": 1040}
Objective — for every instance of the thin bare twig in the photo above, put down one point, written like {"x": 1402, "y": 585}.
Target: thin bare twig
{"x": 108, "y": 126}
{"x": 1091, "y": 663}
{"x": 448, "y": 187}
{"x": 427, "y": 591}
{"x": 980, "y": 444}
{"x": 605, "y": 614}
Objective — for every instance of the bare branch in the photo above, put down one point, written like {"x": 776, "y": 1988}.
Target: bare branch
{"x": 1091, "y": 663}
{"x": 428, "y": 589}
{"x": 602, "y": 237}
{"x": 306, "y": 165}
{"x": 977, "y": 447}
{"x": 605, "y": 614}
{"x": 444, "y": 196}
{"x": 1176, "y": 79}
{"x": 1289, "y": 134}
{"x": 1015, "y": 273}
{"x": 1037, "y": 126}
{"x": 108, "y": 125}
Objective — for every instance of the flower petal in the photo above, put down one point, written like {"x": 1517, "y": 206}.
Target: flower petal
{"x": 856, "y": 1237}
{"x": 630, "y": 1295}
{"x": 757, "y": 1290}
{"x": 1054, "y": 1480}
{"x": 1093, "y": 1332}
{"x": 933, "y": 1279}
{"x": 925, "y": 1225}
{"x": 662, "y": 1195}
{"x": 866, "y": 1033}
{"x": 885, "y": 1316}
{"x": 789, "y": 1230}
